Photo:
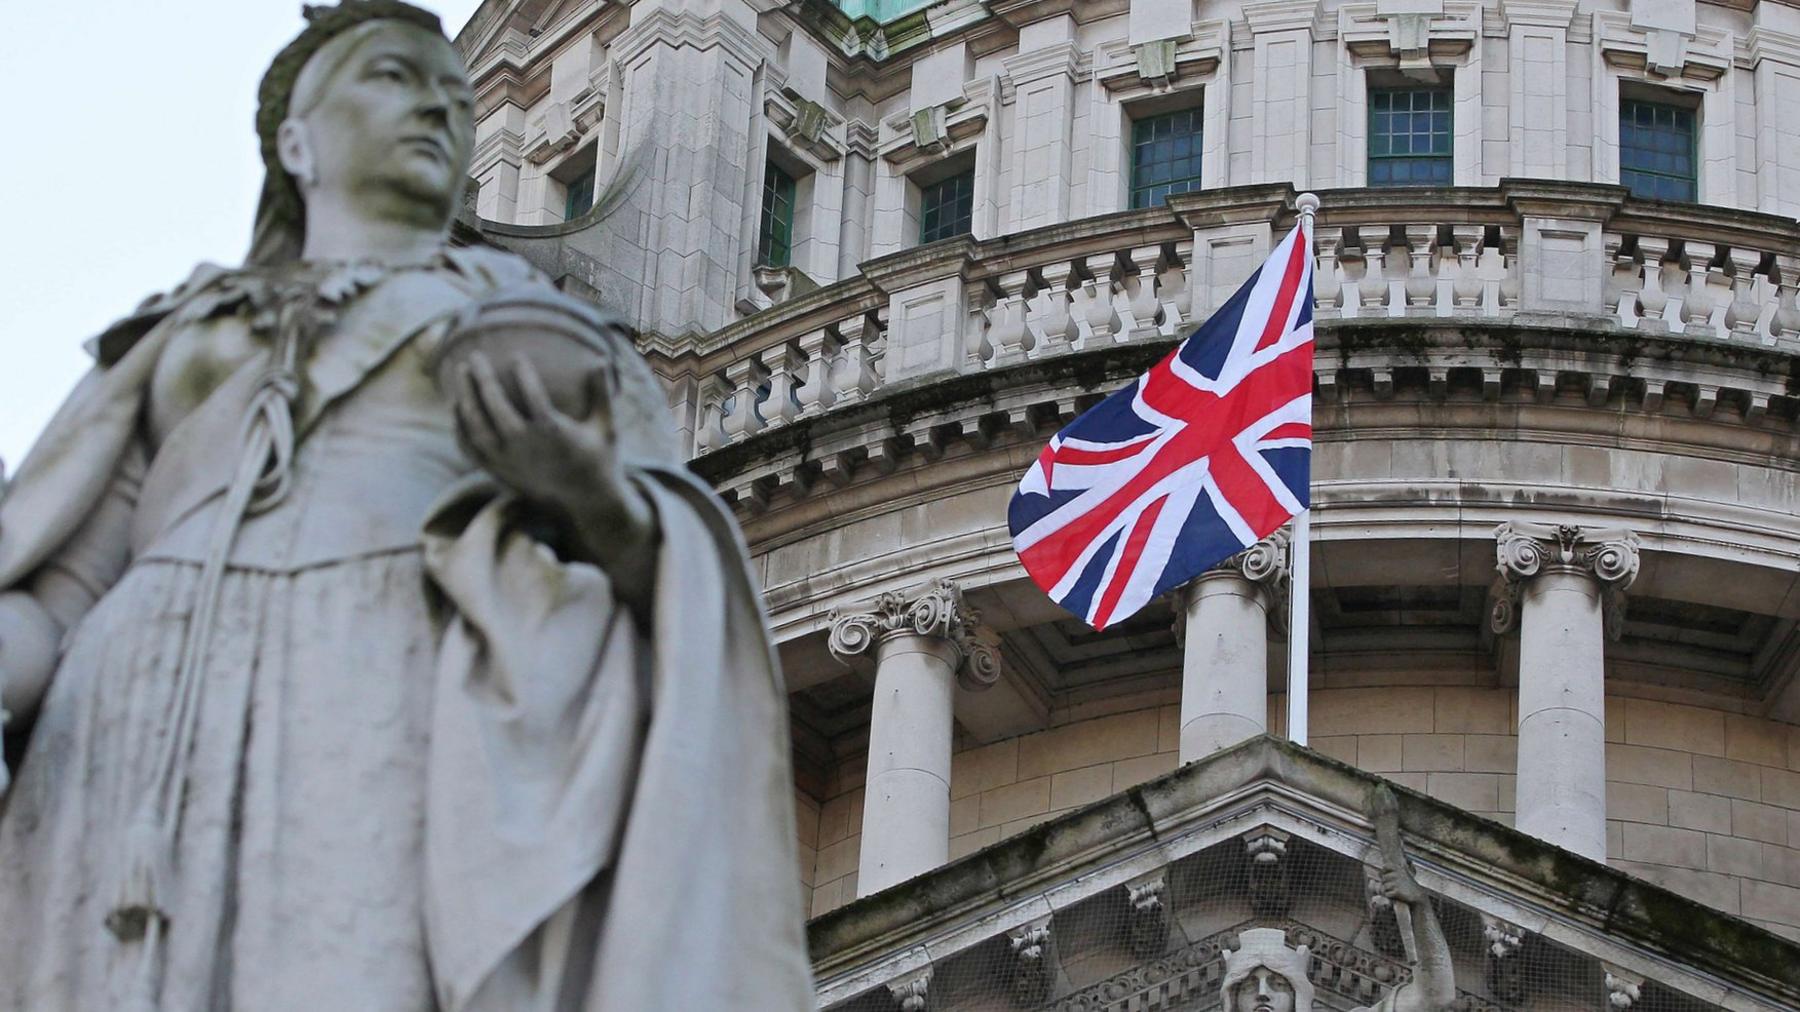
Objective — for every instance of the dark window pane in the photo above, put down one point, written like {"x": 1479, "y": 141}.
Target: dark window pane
{"x": 947, "y": 208}
{"x": 1657, "y": 148}
{"x": 1410, "y": 137}
{"x": 775, "y": 242}
{"x": 580, "y": 198}
{"x": 1165, "y": 156}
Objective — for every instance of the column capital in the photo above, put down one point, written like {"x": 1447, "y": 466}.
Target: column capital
{"x": 937, "y": 610}
{"x": 1264, "y": 564}
{"x": 1524, "y": 550}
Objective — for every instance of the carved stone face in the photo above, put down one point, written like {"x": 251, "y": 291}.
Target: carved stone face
{"x": 395, "y": 120}
{"x": 1263, "y": 990}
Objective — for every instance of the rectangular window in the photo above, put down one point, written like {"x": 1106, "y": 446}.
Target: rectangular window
{"x": 1657, "y": 156}
{"x": 1409, "y": 137}
{"x": 947, "y": 207}
{"x": 580, "y": 198}
{"x": 775, "y": 241}
{"x": 1165, "y": 156}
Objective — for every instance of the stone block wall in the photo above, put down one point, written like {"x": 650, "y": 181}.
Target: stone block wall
{"x": 1707, "y": 803}
{"x": 1701, "y": 801}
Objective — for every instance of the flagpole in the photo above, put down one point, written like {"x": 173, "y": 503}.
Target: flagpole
{"x": 1300, "y": 562}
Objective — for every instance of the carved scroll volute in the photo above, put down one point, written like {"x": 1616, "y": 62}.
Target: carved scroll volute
{"x": 1524, "y": 550}
{"x": 1264, "y": 564}
{"x": 936, "y": 610}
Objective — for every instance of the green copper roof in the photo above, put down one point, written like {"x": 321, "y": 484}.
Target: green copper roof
{"x": 881, "y": 10}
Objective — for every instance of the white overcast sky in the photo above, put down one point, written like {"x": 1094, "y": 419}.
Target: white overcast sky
{"x": 129, "y": 155}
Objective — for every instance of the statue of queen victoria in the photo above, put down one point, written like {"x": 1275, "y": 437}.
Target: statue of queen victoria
{"x": 359, "y": 655}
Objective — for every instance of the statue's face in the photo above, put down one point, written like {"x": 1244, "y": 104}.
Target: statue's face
{"x": 394, "y": 121}
{"x": 1263, "y": 990}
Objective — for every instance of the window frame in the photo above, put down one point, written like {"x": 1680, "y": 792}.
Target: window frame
{"x": 1196, "y": 116}
{"x": 1673, "y": 102}
{"x": 578, "y": 176}
{"x": 774, "y": 176}
{"x": 949, "y": 172}
{"x": 1377, "y": 91}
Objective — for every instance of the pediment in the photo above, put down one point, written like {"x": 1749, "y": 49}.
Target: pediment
{"x": 1137, "y": 902}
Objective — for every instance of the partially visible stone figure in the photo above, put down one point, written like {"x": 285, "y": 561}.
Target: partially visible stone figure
{"x": 364, "y": 670}
{"x": 1266, "y": 974}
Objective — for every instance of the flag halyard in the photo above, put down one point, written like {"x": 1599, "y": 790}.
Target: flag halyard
{"x": 1195, "y": 460}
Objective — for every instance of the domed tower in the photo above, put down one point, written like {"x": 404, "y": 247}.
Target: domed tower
{"x": 881, "y": 251}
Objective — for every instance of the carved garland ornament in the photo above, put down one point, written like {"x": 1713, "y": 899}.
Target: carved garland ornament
{"x": 936, "y": 610}
{"x": 1523, "y": 550}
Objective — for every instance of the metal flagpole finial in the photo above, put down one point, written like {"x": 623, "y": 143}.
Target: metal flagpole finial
{"x": 1308, "y": 205}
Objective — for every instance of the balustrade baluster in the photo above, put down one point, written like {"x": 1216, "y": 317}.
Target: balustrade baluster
{"x": 1139, "y": 283}
{"x": 853, "y": 376}
{"x": 1653, "y": 297}
{"x": 1785, "y": 328}
{"x": 978, "y": 299}
{"x": 1047, "y": 314}
{"x": 1096, "y": 317}
{"x": 709, "y": 418}
{"x": 1395, "y": 268}
{"x": 1421, "y": 285}
{"x": 746, "y": 378}
{"x": 1701, "y": 296}
{"x": 1622, "y": 283}
{"x": 783, "y": 363}
{"x": 1174, "y": 292}
{"x": 1326, "y": 282}
{"x": 1465, "y": 287}
{"x": 1506, "y": 268}
{"x": 1354, "y": 268}
{"x": 1744, "y": 308}
{"x": 1373, "y": 289}
{"x": 817, "y": 350}
{"x": 1006, "y": 320}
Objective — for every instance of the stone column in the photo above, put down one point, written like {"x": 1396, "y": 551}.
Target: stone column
{"x": 1223, "y": 628}
{"x": 1563, "y": 586}
{"x": 923, "y": 643}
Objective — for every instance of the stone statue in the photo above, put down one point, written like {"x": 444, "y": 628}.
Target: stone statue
{"x": 1266, "y": 974}
{"x": 351, "y": 666}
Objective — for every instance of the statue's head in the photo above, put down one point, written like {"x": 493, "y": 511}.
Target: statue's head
{"x": 1265, "y": 974}
{"x": 370, "y": 107}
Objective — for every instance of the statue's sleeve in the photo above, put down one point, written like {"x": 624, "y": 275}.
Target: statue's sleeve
{"x": 590, "y": 772}
{"x": 37, "y": 612}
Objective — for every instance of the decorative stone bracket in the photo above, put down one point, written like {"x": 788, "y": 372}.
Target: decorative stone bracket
{"x": 936, "y": 610}
{"x": 1148, "y": 923}
{"x": 1266, "y": 847}
{"x": 1524, "y": 550}
{"x": 1034, "y": 962}
{"x": 912, "y": 991}
{"x": 1623, "y": 989}
{"x": 1505, "y": 970}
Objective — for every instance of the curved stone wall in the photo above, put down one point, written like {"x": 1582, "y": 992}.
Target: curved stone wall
{"x": 1703, "y": 801}
{"x": 1531, "y": 346}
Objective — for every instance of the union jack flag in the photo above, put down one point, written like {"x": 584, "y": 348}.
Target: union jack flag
{"x": 1196, "y": 460}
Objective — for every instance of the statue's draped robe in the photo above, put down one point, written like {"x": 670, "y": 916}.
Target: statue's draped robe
{"x": 435, "y": 765}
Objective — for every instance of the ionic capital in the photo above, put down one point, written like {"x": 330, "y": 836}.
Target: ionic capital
{"x": 1264, "y": 565}
{"x": 936, "y": 610}
{"x": 1524, "y": 550}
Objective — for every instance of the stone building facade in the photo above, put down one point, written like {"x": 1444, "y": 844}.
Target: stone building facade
{"x": 879, "y": 251}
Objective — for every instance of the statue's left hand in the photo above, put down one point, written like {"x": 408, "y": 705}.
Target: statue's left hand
{"x": 569, "y": 466}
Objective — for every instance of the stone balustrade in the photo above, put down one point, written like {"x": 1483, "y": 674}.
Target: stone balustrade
{"x": 1525, "y": 253}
